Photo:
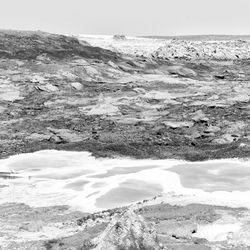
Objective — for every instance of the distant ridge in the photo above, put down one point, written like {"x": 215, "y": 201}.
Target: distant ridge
{"x": 204, "y": 37}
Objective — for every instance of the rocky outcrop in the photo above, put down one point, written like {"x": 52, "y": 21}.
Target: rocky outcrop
{"x": 205, "y": 50}
{"x": 128, "y": 232}
{"x": 150, "y": 227}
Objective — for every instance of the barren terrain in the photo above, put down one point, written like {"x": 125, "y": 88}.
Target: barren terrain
{"x": 125, "y": 97}
{"x": 58, "y": 93}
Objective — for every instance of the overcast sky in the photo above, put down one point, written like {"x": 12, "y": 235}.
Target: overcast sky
{"x": 129, "y": 17}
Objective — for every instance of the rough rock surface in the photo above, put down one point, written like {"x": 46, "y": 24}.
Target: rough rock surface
{"x": 129, "y": 231}
{"x": 146, "y": 226}
{"x": 223, "y": 48}
{"x": 59, "y": 93}
{"x": 209, "y": 50}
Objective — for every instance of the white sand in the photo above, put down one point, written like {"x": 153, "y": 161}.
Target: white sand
{"x": 78, "y": 179}
{"x": 217, "y": 232}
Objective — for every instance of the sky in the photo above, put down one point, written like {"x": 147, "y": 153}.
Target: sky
{"x": 128, "y": 17}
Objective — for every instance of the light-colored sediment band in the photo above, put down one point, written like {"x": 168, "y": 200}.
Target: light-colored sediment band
{"x": 84, "y": 182}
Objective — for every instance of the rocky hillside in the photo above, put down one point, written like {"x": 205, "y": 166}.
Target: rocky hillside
{"x": 28, "y": 45}
{"x": 57, "y": 93}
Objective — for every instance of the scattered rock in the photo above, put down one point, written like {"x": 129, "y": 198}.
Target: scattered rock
{"x": 126, "y": 108}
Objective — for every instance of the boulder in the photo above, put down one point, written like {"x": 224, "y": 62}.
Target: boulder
{"x": 38, "y": 137}
{"x": 178, "y": 124}
{"x": 199, "y": 116}
{"x": 181, "y": 71}
{"x": 64, "y": 135}
{"x": 225, "y": 139}
{"x": 195, "y": 135}
{"x": 48, "y": 88}
{"x": 91, "y": 71}
{"x": 212, "y": 129}
{"x": 77, "y": 85}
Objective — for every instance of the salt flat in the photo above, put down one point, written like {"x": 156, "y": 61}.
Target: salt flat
{"x": 56, "y": 178}
{"x": 48, "y": 178}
